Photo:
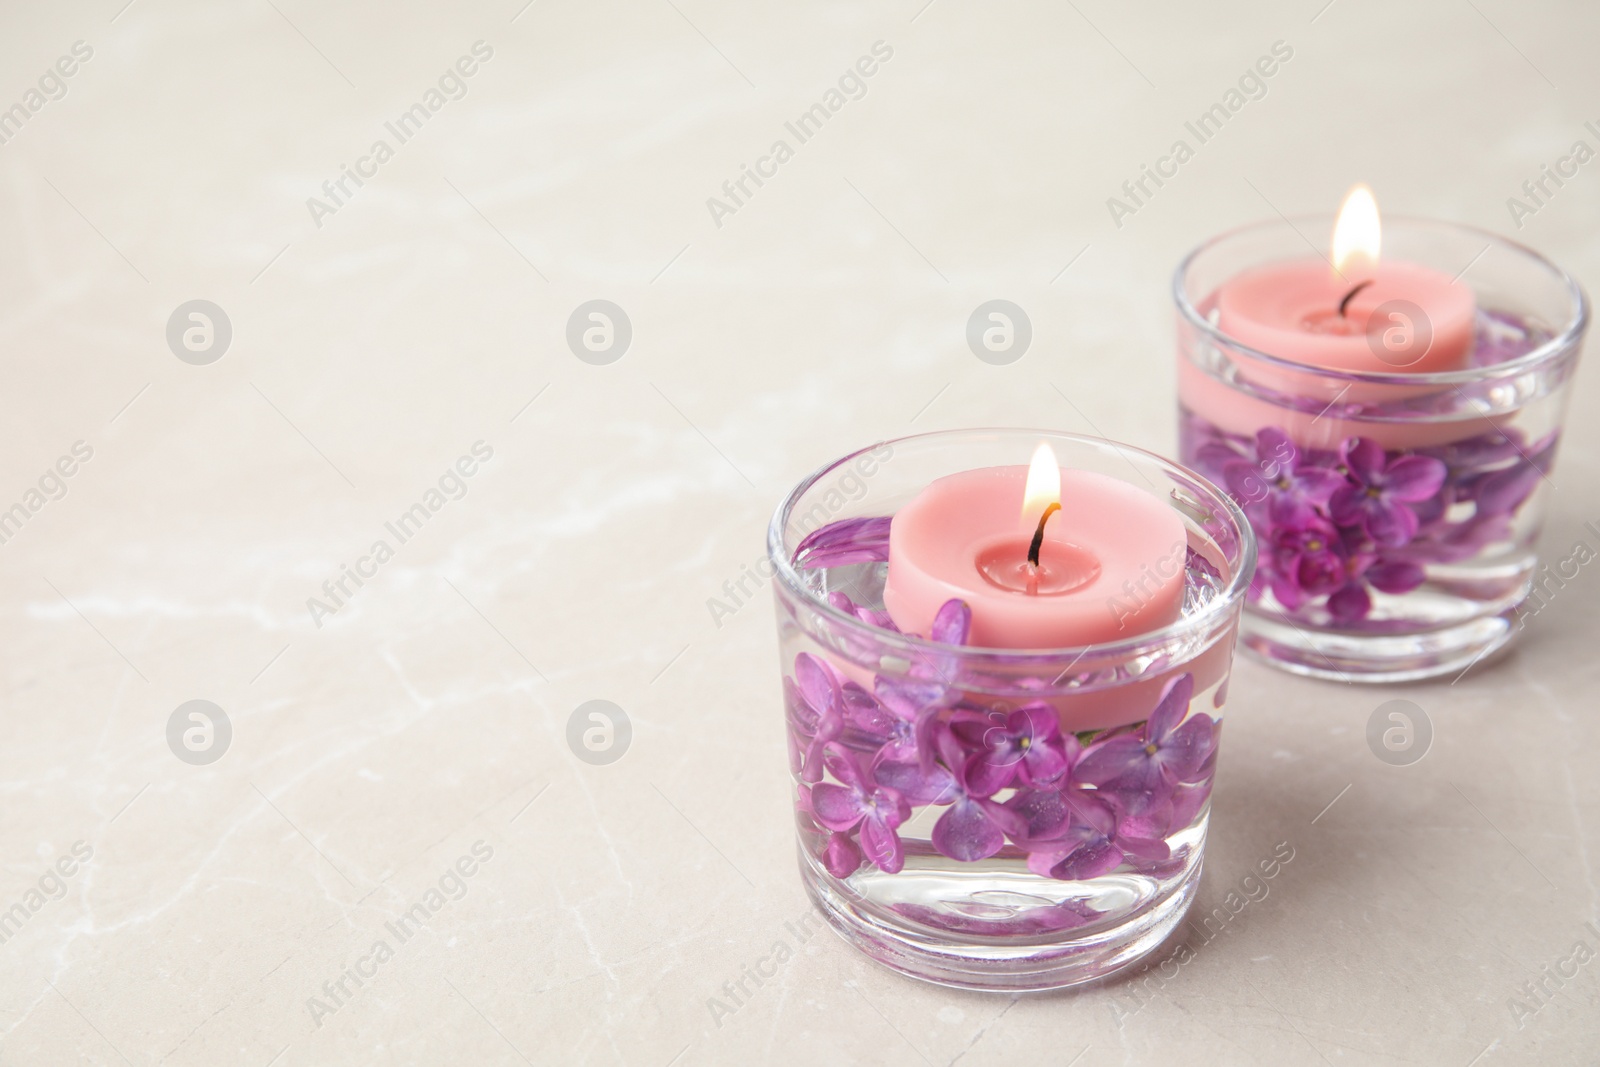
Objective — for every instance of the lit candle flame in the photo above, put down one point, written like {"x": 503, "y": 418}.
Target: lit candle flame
{"x": 1357, "y": 235}
{"x": 1043, "y": 487}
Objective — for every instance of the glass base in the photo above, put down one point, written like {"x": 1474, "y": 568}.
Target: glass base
{"x": 1375, "y": 658}
{"x": 1019, "y": 964}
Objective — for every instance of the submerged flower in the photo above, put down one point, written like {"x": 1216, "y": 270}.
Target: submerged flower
{"x": 1280, "y": 482}
{"x": 841, "y": 856}
{"x": 1380, "y": 490}
{"x": 860, "y": 801}
{"x": 1024, "y": 746}
{"x": 1141, "y": 769}
{"x": 929, "y": 683}
{"x": 1306, "y": 561}
{"x": 816, "y": 711}
{"x": 975, "y": 826}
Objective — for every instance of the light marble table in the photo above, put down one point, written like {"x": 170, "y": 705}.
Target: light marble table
{"x": 403, "y": 741}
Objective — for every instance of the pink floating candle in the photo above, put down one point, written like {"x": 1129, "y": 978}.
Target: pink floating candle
{"x": 1043, "y": 557}
{"x": 1360, "y": 314}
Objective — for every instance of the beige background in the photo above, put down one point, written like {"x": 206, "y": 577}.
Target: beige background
{"x": 829, "y": 311}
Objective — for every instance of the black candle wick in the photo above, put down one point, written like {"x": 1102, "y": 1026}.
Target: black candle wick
{"x": 1038, "y": 535}
{"x": 1345, "y": 303}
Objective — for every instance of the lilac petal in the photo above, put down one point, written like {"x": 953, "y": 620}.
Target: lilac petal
{"x": 1390, "y": 524}
{"x": 840, "y": 856}
{"x": 1089, "y": 861}
{"x": 1045, "y": 762}
{"x": 1287, "y": 591}
{"x": 1274, "y": 447}
{"x": 935, "y": 786}
{"x": 1187, "y": 802}
{"x": 1412, "y": 478}
{"x": 828, "y": 730}
{"x": 1108, "y": 760}
{"x": 1043, "y": 863}
{"x": 1318, "y": 484}
{"x": 836, "y": 807}
{"x": 841, "y": 763}
{"x": 989, "y": 772}
{"x": 952, "y": 623}
{"x": 1393, "y": 577}
{"x": 817, "y": 683}
{"x": 882, "y": 846}
{"x": 1045, "y": 814}
{"x": 863, "y": 540}
{"x": 1037, "y": 721}
{"x": 1170, "y": 708}
{"x": 1365, "y": 459}
{"x": 1143, "y": 848}
{"x": 1244, "y": 481}
{"x": 1188, "y": 746}
{"x": 863, "y": 711}
{"x": 1347, "y": 505}
{"x": 1008, "y": 821}
{"x": 1504, "y": 491}
{"x": 1350, "y": 603}
{"x": 965, "y": 833}
{"x": 1142, "y": 790}
{"x": 906, "y": 698}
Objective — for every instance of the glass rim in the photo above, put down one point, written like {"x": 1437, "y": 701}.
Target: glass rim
{"x": 1227, "y": 600}
{"x": 1565, "y": 340}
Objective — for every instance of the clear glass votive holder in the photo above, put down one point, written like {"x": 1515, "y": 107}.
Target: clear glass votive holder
{"x": 995, "y": 818}
{"x": 1396, "y": 512}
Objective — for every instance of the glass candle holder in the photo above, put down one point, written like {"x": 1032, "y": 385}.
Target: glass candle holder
{"x": 992, "y": 818}
{"x": 1396, "y": 512}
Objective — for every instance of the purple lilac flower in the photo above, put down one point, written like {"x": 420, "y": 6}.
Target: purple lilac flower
{"x": 1364, "y": 567}
{"x": 863, "y": 540}
{"x": 1305, "y": 560}
{"x": 1380, "y": 490}
{"x": 1140, "y": 769}
{"x": 975, "y": 826}
{"x": 1280, "y": 484}
{"x": 816, "y": 710}
{"x": 860, "y": 801}
{"x": 930, "y": 682}
{"x": 1025, "y": 745}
